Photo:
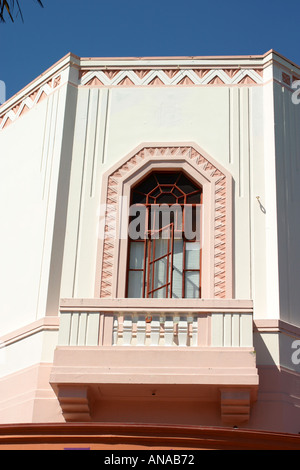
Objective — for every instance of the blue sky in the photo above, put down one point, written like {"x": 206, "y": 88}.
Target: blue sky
{"x": 96, "y": 28}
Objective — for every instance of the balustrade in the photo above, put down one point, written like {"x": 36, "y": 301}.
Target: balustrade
{"x": 154, "y": 329}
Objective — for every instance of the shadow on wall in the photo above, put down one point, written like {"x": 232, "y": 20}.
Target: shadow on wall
{"x": 263, "y": 346}
{"x": 277, "y": 407}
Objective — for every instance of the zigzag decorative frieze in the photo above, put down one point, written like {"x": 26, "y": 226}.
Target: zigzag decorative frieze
{"x": 27, "y": 103}
{"x": 133, "y": 77}
{"x": 172, "y": 77}
{"x": 207, "y": 169}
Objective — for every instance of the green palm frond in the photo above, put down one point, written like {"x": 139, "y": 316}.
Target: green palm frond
{"x": 12, "y": 8}
{"x": 4, "y": 6}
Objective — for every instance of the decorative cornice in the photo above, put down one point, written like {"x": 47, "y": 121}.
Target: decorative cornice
{"x": 22, "y": 106}
{"x": 153, "y": 71}
{"x": 171, "y": 77}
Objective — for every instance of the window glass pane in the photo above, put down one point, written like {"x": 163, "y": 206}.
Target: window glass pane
{"x": 194, "y": 198}
{"x": 177, "y": 192}
{"x": 159, "y": 270}
{"x": 159, "y": 247}
{"x": 136, "y": 255}
{"x": 161, "y": 218}
{"x": 169, "y": 188}
{"x": 167, "y": 178}
{"x": 166, "y": 189}
{"x": 138, "y": 198}
{"x": 135, "y": 284}
{"x": 177, "y": 269}
{"x": 186, "y": 185}
{"x": 166, "y": 199}
{"x": 160, "y": 294}
{"x": 192, "y": 255}
{"x": 160, "y": 267}
{"x": 155, "y": 192}
{"x": 147, "y": 185}
{"x": 192, "y": 222}
{"x": 159, "y": 274}
{"x": 192, "y": 281}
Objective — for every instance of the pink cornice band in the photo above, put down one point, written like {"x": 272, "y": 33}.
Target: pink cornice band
{"x": 188, "y": 71}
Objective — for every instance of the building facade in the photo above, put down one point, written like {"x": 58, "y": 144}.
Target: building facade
{"x": 191, "y": 320}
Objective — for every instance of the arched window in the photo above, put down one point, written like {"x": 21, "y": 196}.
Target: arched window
{"x": 164, "y": 237}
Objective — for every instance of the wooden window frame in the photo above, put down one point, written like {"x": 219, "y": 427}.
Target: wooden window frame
{"x": 148, "y": 262}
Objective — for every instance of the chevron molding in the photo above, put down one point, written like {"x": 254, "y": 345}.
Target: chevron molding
{"x": 132, "y": 77}
{"x": 27, "y": 103}
{"x": 140, "y": 72}
{"x": 171, "y": 77}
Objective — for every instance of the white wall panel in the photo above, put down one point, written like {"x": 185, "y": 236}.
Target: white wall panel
{"x": 30, "y": 168}
{"x": 111, "y": 123}
{"x": 287, "y": 123}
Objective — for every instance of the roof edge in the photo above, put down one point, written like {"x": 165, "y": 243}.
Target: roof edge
{"x": 71, "y": 59}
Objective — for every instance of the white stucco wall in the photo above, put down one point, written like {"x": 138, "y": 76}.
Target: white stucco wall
{"x": 52, "y": 161}
{"x": 228, "y": 123}
{"x": 31, "y": 165}
{"x": 53, "y": 158}
{"x": 287, "y": 125}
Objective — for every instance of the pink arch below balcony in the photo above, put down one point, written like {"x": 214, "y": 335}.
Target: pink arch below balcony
{"x": 217, "y": 202}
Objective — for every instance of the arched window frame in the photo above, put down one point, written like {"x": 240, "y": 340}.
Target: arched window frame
{"x": 165, "y": 247}
{"x": 217, "y": 255}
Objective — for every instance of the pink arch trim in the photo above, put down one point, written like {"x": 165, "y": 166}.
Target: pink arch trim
{"x": 221, "y": 238}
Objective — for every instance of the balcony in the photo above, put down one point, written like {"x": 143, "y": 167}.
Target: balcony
{"x": 182, "y": 347}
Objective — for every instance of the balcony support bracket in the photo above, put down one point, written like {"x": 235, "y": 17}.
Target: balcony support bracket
{"x": 75, "y": 403}
{"x": 235, "y": 406}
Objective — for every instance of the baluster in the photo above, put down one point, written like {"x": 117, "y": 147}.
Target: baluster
{"x": 127, "y": 331}
{"x": 115, "y": 331}
{"x": 141, "y": 332}
{"x": 182, "y": 331}
{"x": 155, "y": 331}
{"x": 169, "y": 331}
{"x": 195, "y": 332}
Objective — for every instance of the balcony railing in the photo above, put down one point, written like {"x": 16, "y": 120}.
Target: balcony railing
{"x": 135, "y": 346}
{"x": 156, "y": 324}
{"x": 156, "y": 330}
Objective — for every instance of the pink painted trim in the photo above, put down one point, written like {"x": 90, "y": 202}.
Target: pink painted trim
{"x": 34, "y": 97}
{"x": 169, "y": 75}
{"x": 278, "y": 326}
{"x": 160, "y": 58}
{"x": 32, "y": 328}
{"x": 110, "y": 365}
{"x": 217, "y": 57}
{"x": 30, "y": 86}
{"x": 176, "y": 305}
{"x": 7, "y": 115}
{"x": 217, "y": 190}
{"x": 27, "y": 396}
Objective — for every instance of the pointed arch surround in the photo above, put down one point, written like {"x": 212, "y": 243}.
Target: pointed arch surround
{"x": 217, "y": 216}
